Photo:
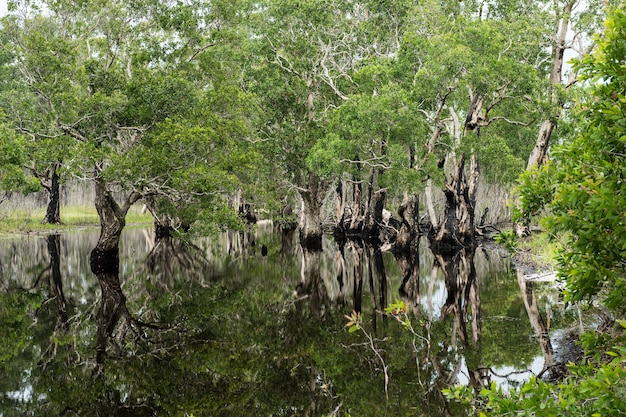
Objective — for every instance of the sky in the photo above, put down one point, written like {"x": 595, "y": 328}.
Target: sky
{"x": 3, "y": 7}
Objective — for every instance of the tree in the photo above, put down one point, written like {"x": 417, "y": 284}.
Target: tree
{"x": 472, "y": 85}
{"x": 572, "y": 30}
{"x": 13, "y": 155}
{"x": 307, "y": 53}
{"x": 583, "y": 184}
{"x": 143, "y": 95}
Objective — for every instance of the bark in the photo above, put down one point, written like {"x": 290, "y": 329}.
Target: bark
{"x": 458, "y": 228}
{"x": 112, "y": 217}
{"x": 374, "y": 216}
{"x": 430, "y": 205}
{"x": 310, "y": 227}
{"x": 51, "y": 185}
{"x": 408, "y": 235}
{"x": 539, "y": 153}
{"x": 356, "y": 222}
{"x": 340, "y": 207}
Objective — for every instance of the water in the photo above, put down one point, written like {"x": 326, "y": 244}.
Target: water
{"x": 250, "y": 324}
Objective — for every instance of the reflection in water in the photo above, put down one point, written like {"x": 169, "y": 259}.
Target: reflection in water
{"x": 243, "y": 329}
{"x": 53, "y": 275}
{"x": 536, "y": 321}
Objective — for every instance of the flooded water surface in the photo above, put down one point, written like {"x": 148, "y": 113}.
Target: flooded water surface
{"x": 251, "y": 324}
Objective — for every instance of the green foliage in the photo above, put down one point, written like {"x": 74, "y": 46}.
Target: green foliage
{"x": 591, "y": 390}
{"x": 508, "y": 239}
{"x": 584, "y": 184}
{"x": 13, "y": 158}
{"x": 534, "y": 190}
{"x": 143, "y": 95}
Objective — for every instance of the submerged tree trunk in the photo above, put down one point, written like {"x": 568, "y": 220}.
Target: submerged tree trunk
{"x": 356, "y": 222}
{"x": 408, "y": 235}
{"x": 112, "y": 222}
{"x": 310, "y": 227}
{"x": 458, "y": 228}
{"x": 374, "y": 217}
{"x": 51, "y": 185}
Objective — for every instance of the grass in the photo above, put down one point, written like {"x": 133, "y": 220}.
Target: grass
{"x": 538, "y": 249}
{"x": 22, "y": 221}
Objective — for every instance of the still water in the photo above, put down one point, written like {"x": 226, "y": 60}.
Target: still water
{"x": 250, "y": 324}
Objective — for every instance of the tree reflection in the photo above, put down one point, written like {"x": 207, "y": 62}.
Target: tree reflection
{"x": 113, "y": 320}
{"x": 409, "y": 265}
{"x": 311, "y": 286}
{"x": 53, "y": 274}
{"x": 171, "y": 258}
{"x": 536, "y": 321}
{"x": 243, "y": 339}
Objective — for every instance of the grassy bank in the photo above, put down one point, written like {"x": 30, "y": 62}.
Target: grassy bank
{"x": 23, "y": 221}
{"x": 536, "y": 252}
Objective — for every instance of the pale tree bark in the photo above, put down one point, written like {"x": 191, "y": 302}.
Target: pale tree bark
{"x": 430, "y": 204}
{"x": 310, "y": 227}
{"x": 539, "y": 154}
{"x": 562, "y": 43}
{"x": 356, "y": 222}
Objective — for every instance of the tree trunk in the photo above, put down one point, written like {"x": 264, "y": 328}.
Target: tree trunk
{"x": 408, "y": 235}
{"x": 51, "y": 185}
{"x": 458, "y": 228}
{"x": 430, "y": 205}
{"x": 112, "y": 222}
{"x": 356, "y": 222}
{"x": 310, "y": 227}
{"x": 374, "y": 217}
{"x": 539, "y": 154}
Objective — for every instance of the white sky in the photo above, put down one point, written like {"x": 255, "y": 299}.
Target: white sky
{"x": 3, "y": 7}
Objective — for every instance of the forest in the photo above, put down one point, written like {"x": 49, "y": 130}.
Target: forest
{"x": 380, "y": 120}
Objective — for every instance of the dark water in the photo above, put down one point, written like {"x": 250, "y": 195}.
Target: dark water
{"x": 250, "y": 324}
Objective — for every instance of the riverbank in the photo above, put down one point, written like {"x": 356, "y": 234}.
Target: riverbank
{"x": 72, "y": 217}
{"x": 535, "y": 256}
